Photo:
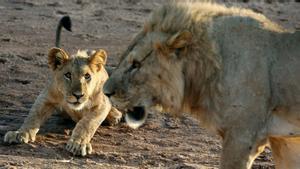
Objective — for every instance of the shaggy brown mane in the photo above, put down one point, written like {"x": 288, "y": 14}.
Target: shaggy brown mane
{"x": 202, "y": 64}
{"x": 176, "y": 16}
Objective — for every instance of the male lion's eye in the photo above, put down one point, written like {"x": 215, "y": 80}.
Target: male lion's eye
{"x": 136, "y": 64}
{"x": 87, "y": 76}
{"x": 68, "y": 75}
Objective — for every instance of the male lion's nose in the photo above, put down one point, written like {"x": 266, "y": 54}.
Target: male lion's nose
{"x": 108, "y": 94}
{"x": 78, "y": 95}
{"x": 108, "y": 88}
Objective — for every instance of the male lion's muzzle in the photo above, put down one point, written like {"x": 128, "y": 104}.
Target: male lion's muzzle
{"x": 135, "y": 115}
{"x": 109, "y": 88}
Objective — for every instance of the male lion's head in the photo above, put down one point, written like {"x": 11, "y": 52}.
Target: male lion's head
{"x": 78, "y": 77}
{"x": 170, "y": 63}
{"x": 150, "y": 74}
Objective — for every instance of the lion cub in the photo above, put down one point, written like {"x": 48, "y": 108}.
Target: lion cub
{"x": 75, "y": 87}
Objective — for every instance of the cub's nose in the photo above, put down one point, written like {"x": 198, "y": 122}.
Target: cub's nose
{"x": 78, "y": 95}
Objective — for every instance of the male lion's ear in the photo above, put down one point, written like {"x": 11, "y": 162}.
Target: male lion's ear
{"x": 57, "y": 57}
{"x": 98, "y": 59}
{"x": 180, "y": 40}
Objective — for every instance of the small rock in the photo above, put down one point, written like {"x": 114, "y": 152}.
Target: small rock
{"x": 5, "y": 39}
{"x": 54, "y": 4}
{"x": 61, "y": 12}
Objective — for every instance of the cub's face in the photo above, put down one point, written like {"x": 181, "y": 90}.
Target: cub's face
{"x": 79, "y": 76}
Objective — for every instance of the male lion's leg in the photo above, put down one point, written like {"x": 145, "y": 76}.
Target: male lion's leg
{"x": 79, "y": 143}
{"x": 114, "y": 116}
{"x": 286, "y": 152}
{"x": 40, "y": 111}
{"x": 240, "y": 151}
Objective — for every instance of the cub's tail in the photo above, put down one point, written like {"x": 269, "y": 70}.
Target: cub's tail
{"x": 67, "y": 24}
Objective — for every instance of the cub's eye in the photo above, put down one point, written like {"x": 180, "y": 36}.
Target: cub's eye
{"x": 67, "y": 75}
{"x": 87, "y": 76}
{"x": 136, "y": 64}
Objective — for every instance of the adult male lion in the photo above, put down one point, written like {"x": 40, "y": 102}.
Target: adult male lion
{"x": 75, "y": 87}
{"x": 233, "y": 69}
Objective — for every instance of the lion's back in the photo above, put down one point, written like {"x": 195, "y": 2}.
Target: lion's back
{"x": 194, "y": 15}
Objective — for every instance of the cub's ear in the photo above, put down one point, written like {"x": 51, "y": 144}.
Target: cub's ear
{"x": 179, "y": 40}
{"x": 56, "y": 58}
{"x": 98, "y": 59}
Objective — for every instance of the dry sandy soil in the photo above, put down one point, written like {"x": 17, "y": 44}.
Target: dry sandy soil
{"x": 27, "y": 32}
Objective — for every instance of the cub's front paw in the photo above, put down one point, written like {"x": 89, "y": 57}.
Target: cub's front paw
{"x": 80, "y": 149}
{"x": 18, "y": 137}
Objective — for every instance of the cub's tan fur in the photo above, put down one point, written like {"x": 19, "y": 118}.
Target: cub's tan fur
{"x": 233, "y": 69}
{"x": 75, "y": 87}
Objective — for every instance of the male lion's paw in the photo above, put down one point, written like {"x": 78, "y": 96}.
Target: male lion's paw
{"x": 79, "y": 148}
{"x": 114, "y": 117}
{"x": 17, "y": 137}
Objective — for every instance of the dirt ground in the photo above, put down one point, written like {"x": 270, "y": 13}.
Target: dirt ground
{"x": 27, "y": 32}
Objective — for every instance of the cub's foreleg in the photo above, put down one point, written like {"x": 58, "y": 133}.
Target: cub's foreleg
{"x": 39, "y": 113}
{"x": 79, "y": 143}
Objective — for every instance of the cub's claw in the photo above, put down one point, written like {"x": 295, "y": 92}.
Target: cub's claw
{"x": 79, "y": 149}
{"x": 17, "y": 137}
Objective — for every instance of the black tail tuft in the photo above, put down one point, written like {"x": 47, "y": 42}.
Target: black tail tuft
{"x": 66, "y": 23}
